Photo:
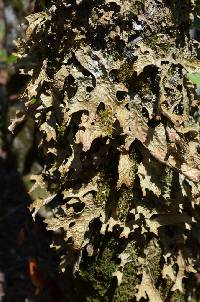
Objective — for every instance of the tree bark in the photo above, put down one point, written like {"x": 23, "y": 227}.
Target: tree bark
{"x": 118, "y": 119}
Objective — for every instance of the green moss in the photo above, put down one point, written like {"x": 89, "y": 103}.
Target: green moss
{"x": 146, "y": 87}
{"x": 124, "y": 202}
{"x": 113, "y": 51}
{"x": 127, "y": 289}
{"x": 33, "y": 100}
{"x": 99, "y": 272}
{"x": 103, "y": 193}
{"x": 178, "y": 297}
{"x": 152, "y": 41}
{"x": 167, "y": 183}
{"x": 61, "y": 131}
{"x": 106, "y": 120}
{"x": 154, "y": 255}
{"x": 158, "y": 43}
{"x": 125, "y": 73}
{"x": 165, "y": 287}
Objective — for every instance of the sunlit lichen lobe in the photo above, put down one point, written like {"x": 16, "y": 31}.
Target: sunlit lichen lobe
{"x": 119, "y": 133}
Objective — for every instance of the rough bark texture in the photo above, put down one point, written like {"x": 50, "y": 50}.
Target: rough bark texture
{"x": 118, "y": 124}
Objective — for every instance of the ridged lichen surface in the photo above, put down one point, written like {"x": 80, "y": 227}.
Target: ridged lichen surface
{"x": 118, "y": 127}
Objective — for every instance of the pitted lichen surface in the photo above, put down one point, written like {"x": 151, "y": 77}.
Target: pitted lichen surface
{"x": 119, "y": 132}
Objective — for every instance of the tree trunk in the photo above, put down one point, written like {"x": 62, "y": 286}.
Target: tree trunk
{"x": 112, "y": 91}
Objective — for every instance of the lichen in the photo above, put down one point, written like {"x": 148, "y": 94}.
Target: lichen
{"x": 119, "y": 140}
